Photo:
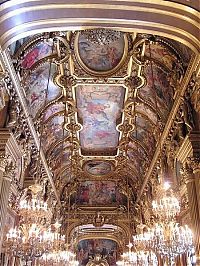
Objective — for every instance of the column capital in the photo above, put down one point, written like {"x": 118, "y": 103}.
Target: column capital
{"x": 4, "y": 161}
{"x": 187, "y": 173}
{"x": 194, "y": 163}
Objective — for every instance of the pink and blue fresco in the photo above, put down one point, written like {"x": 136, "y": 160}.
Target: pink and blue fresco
{"x": 99, "y": 107}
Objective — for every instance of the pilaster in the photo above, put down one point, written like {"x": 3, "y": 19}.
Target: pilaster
{"x": 7, "y": 174}
{"x": 191, "y": 177}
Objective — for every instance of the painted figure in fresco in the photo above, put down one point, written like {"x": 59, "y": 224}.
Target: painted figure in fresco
{"x": 98, "y": 168}
{"x": 100, "y": 57}
{"x": 37, "y": 87}
{"x": 38, "y": 52}
{"x": 98, "y": 193}
{"x": 90, "y": 247}
{"x": 99, "y": 109}
{"x": 162, "y": 54}
{"x": 159, "y": 84}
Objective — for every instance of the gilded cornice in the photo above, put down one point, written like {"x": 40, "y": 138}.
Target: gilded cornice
{"x": 164, "y": 18}
{"x": 186, "y": 82}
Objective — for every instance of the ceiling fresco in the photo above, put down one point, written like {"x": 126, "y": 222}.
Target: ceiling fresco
{"x": 88, "y": 248}
{"x": 99, "y": 99}
{"x": 40, "y": 87}
{"x": 99, "y": 107}
{"x": 99, "y": 193}
{"x": 102, "y": 55}
{"x": 98, "y": 168}
{"x": 40, "y": 51}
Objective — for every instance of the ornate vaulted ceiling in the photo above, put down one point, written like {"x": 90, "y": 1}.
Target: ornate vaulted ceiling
{"x": 100, "y": 100}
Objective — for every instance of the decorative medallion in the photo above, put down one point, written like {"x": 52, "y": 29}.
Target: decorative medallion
{"x": 101, "y": 51}
{"x": 98, "y": 168}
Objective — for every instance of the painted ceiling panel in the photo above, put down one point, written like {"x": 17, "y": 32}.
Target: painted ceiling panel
{"x": 40, "y": 51}
{"x": 144, "y": 132}
{"x": 100, "y": 193}
{"x": 53, "y": 131}
{"x": 161, "y": 54}
{"x": 100, "y": 55}
{"x": 52, "y": 110}
{"x": 89, "y": 247}
{"x": 98, "y": 168}
{"x": 158, "y": 91}
{"x": 99, "y": 107}
{"x": 40, "y": 88}
{"x": 147, "y": 111}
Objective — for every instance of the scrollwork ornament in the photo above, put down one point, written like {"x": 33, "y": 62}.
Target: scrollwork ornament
{"x": 194, "y": 163}
{"x": 102, "y": 36}
{"x": 4, "y": 161}
{"x": 196, "y": 95}
{"x": 186, "y": 174}
{"x": 9, "y": 173}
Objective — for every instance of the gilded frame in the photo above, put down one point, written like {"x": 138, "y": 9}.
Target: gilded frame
{"x": 100, "y": 73}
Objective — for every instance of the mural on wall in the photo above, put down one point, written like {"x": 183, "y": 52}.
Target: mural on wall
{"x": 100, "y": 56}
{"x": 40, "y": 51}
{"x": 99, "y": 106}
{"x": 38, "y": 84}
{"x": 98, "y": 167}
{"x": 99, "y": 193}
{"x": 89, "y": 247}
{"x": 158, "y": 91}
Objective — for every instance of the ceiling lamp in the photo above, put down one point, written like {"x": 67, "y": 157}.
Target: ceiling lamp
{"x": 167, "y": 207}
{"x": 138, "y": 257}
{"x": 66, "y": 258}
{"x": 33, "y": 209}
{"x": 56, "y": 241}
{"x": 167, "y": 237}
{"x": 27, "y": 242}
{"x": 29, "y": 239}
{"x": 171, "y": 239}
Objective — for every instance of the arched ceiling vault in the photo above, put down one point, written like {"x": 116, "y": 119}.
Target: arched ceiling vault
{"x": 23, "y": 18}
{"x": 99, "y": 99}
{"x": 99, "y": 102}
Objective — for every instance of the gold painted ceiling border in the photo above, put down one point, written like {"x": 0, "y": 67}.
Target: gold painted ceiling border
{"x": 194, "y": 65}
{"x": 165, "y": 9}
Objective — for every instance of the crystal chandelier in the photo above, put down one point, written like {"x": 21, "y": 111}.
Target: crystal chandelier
{"x": 167, "y": 237}
{"x": 138, "y": 258}
{"x": 171, "y": 239}
{"x": 167, "y": 207}
{"x": 26, "y": 242}
{"x": 66, "y": 258}
{"x": 29, "y": 239}
{"x": 56, "y": 241}
{"x": 32, "y": 209}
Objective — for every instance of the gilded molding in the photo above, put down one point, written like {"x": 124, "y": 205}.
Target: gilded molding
{"x": 161, "y": 19}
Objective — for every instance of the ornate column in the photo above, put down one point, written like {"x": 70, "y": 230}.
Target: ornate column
{"x": 6, "y": 176}
{"x": 192, "y": 177}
